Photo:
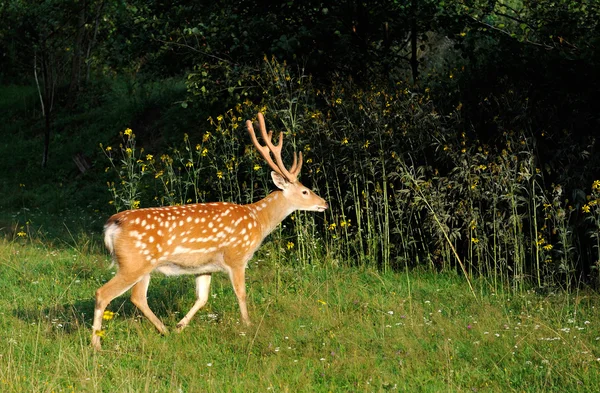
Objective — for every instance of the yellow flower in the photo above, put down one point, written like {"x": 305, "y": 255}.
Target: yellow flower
{"x": 99, "y": 333}
{"x": 474, "y": 240}
{"x": 108, "y": 315}
{"x": 596, "y": 185}
{"x": 338, "y": 101}
{"x": 220, "y": 118}
{"x": 197, "y": 147}
{"x": 220, "y": 174}
{"x": 332, "y": 226}
{"x": 149, "y": 157}
{"x": 548, "y": 247}
{"x": 206, "y": 136}
{"x": 586, "y": 208}
{"x": 204, "y": 152}
{"x": 108, "y": 148}
{"x": 128, "y": 132}
{"x": 21, "y": 234}
{"x": 135, "y": 204}
{"x": 189, "y": 164}
{"x": 128, "y": 151}
{"x": 345, "y": 141}
{"x": 290, "y": 245}
{"x": 256, "y": 167}
{"x": 322, "y": 302}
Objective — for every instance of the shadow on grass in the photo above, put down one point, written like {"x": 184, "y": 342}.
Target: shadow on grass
{"x": 169, "y": 298}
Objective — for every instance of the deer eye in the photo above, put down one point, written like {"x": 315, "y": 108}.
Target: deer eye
{"x": 304, "y": 192}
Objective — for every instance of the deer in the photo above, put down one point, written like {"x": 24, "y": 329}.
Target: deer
{"x": 199, "y": 239}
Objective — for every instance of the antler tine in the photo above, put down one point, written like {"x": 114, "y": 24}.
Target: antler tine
{"x": 263, "y": 150}
{"x": 278, "y": 167}
{"x": 297, "y": 165}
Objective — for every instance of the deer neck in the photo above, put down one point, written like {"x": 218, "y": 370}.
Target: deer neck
{"x": 271, "y": 211}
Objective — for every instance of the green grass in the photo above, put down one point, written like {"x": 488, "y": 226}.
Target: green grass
{"x": 316, "y": 329}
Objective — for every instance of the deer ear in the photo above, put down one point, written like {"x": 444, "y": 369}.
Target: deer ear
{"x": 281, "y": 182}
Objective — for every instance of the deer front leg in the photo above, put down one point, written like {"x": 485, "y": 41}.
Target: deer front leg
{"x": 202, "y": 291}
{"x": 238, "y": 280}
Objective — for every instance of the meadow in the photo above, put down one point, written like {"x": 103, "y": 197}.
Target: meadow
{"x": 317, "y": 328}
{"x": 446, "y": 262}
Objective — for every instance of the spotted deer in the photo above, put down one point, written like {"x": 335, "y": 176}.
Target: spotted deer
{"x": 199, "y": 239}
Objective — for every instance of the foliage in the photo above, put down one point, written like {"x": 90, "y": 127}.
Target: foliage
{"x": 455, "y": 134}
{"x": 407, "y": 187}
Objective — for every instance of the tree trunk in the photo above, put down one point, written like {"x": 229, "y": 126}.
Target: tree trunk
{"x": 76, "y": 62}
{"x": 414, "y": 62}
{"x": 46, "y": 106}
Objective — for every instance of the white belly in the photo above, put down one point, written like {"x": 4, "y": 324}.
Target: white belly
{"x": 173, "y": 269}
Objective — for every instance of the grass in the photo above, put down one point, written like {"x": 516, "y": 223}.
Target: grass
{"x": 319, "y": 329}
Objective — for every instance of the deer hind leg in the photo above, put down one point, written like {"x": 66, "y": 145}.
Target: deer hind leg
{"x": 238, "y": 280}
{"x": 139, "y": 297}
{"x": 118, "y": 285}
{"x": 202, "y": 291}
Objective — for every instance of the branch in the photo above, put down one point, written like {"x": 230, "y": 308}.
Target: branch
{"x": 545, "y": 46}
{"x": 194, "y": 50}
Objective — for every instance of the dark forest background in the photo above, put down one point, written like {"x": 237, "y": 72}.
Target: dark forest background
{"x": 445, "y": 134}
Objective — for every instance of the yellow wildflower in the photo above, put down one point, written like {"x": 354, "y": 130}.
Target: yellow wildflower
{"x": 548, "y": 247}
{"x": 219, "y": 174}
{"x": 256, "y": 167}
{"x": 21, "y": 234}
{"x": 586, "y": 208}
{"x": 128, "y": 132}
{"x": 290, "y": 245}
{"x": 596, "y": 185}
{"x": 108, "y": 315}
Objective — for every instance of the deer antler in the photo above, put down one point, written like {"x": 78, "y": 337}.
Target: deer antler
{"x": 265, "y": 151}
